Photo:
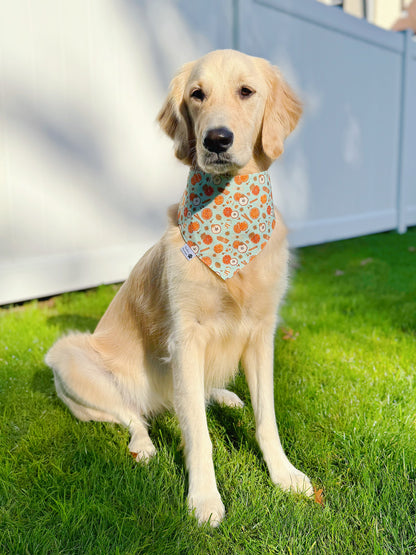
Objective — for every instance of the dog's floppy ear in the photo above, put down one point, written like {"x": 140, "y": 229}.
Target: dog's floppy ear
{"x": 281, "y": 114}
{"x": 174, "y": 118}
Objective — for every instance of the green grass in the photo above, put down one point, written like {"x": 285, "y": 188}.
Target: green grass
{"x": 346, "y": 406}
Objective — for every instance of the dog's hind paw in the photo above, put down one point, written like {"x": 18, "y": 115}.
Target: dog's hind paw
{"x": 227, "y": 398}
{"x": 142, "y": 451}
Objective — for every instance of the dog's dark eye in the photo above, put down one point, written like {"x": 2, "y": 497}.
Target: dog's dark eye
{"x": 245, "y": 92}
{"x": 198, "y": 94}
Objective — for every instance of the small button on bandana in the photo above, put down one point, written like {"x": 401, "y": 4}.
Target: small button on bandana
{"x": 226, "y": 220}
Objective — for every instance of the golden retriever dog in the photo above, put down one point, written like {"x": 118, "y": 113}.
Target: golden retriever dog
{"x": 176, "y": 331}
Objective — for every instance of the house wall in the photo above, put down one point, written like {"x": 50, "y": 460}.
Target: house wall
{"x": 382, "y": 13}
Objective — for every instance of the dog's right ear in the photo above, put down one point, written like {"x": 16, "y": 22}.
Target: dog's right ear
{"x": 281, "y": 114}
{"x": 174, "y": 118}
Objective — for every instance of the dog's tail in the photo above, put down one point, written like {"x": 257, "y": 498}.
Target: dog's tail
{"x": 81, "y": 381}
{"x": 65, "y": 347}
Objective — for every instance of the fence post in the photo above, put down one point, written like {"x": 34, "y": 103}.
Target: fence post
{"x": 405, "y": 111}
{"x": 236, "y": 24}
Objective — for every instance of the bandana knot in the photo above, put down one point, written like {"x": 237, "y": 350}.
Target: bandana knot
{"x": 226, "y": 220}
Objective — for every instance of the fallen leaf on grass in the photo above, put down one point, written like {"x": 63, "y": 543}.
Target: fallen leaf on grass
{"x": 339, "y": 272}
{"x": 412, "y": 249}
{"x": 319, "y": 497}
{"x": 289, "y": 335}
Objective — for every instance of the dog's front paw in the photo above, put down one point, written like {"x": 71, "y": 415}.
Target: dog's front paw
{"x": 207, "y": 508}
{"x": 292, "y": 479}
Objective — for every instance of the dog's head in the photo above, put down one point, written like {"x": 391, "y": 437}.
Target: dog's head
{"x": 229, "y": 111}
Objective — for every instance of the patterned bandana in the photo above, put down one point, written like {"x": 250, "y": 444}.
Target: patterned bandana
{"x": 226, "y": 221}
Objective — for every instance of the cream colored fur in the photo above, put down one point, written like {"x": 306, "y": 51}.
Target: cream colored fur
{"x": 175, "y": 332}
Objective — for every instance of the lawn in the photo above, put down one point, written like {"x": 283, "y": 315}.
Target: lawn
{"x": 345, "y": 394}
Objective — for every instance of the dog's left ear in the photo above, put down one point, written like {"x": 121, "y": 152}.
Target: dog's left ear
{"x": 281, "y": 114}
{"x": 174, "y": 118}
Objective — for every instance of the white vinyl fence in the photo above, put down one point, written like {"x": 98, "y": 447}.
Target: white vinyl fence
{"x": 351, "y": 168}
{"x": 86, "y": 176}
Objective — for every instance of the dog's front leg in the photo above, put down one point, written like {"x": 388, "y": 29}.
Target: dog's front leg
{"x": 189, "y": 401}
{"x": 258, "y": 366}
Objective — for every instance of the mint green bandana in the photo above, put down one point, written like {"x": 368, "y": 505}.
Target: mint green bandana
{"x": 226, "y": 220}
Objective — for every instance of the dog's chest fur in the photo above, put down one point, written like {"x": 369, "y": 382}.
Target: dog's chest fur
{"x": 168, "y": 301}
{"x": 226, "y": 313}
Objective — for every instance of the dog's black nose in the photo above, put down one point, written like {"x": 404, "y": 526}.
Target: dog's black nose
{"x": 218, "y": 140}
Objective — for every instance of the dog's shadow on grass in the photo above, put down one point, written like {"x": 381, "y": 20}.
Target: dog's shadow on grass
{"x": 165, "y": 433}
{"x": 235, "y": 426}
{"x": 42, "y": 382}
{"x": 73, "y": 322}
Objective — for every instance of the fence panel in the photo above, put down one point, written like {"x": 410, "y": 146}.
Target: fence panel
{"x": 85, "y": 175}
{"x": 338, "y": 177}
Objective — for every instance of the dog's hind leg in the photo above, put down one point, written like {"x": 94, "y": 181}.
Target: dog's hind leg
{"x": 91, "y": 392}
{"x": 227, "y": 398}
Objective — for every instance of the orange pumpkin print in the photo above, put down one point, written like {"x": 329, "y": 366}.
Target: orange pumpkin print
{"x": 193, "y": 226}
{"x": 227, "y": 211}
{"x": 239, "y": 179}
{"x": 263, "y": 199}
{"x": 219, "y": 200}
{"x": 226, "y": 259}
{"x": 255, "y": 189}
{"x": 206, "y": 260}
{"x": 240, "y": 226}
{"x": 254, "y": 237}
{"x": 218, "y": 249}
{"x": 254, "y": 213}
{"x": 196, "y": 178}
{"x": 206, "y": 213}
{"x": 207, "y": 239}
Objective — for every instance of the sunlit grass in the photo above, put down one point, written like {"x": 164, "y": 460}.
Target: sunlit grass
{"x": 345, "y": 402}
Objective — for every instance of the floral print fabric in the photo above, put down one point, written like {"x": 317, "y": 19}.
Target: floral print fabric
{"x": 226, "y": 220}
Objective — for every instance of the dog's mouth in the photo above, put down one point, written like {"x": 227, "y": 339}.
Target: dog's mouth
{"x": 218, "y": 163}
